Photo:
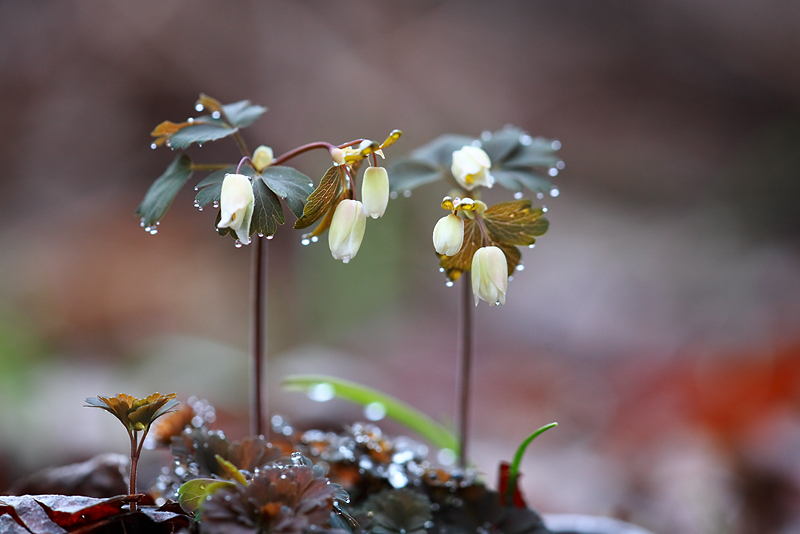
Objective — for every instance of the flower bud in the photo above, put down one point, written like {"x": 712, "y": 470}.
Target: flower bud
{"x": 236, "y": 206}
{"x": 489, "y": 275}
{"x": 448, "y": 235}
{"x": 375, "y": 191}
{"x": 471, "y": 167}
{"x": 262, "y": 158}
{"x": 347, "y": 229}
{"x": 338, "y": 156}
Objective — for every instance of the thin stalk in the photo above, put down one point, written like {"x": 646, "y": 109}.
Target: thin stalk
{"x": 258, "y": 341}
{"x": 134, "y": 466}
{"x": 465, "y": 376}
{"x": 209, "y": 166}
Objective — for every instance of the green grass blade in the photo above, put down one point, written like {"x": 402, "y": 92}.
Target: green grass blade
{"x": 401, "y": 412}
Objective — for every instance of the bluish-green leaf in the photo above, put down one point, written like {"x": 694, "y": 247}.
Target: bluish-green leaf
{"x": 199, "y": 132}
{"x": 408, "y": 173}
{"x": 216, "y": 177}
{"x": 267, "y": 210}
{"x": 513, "y": 179}
{"x": 290, "y": 184}
{"x": 192, "y": 494}
{"x": 501, "y": 144}
{"x": 209, "y": 194}
{"x": 161, "y": 194}
{"x": 242, "y": 114}
{"x": 439, "y": 152}
{"x": 395, "y": 409}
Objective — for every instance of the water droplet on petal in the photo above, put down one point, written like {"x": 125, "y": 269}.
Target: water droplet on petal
{"x": 393, "y": 195}
{"x": 322, "y": 392}
{"x": 237, "y": 244}
{"x": 525, "y": 140}
{"x": 198, "y": 107}
{"x": 375, "y": 411}
{"x": 260, "y": 234}
{"x": 407, "y": 193}
{"x": 518, "y": 195}
{"x": 544, "y": 209}
{"x": 510, "y": 278}
{"x": 532, "y": 246}
{"x": 270, "y": 236}
{"x": 556, "y": 144}
{"x": 520, "y": 267}
{"x": 305, "y": 242}
{"x": 554, "y": 192}
{"x": 153, "y": 146}
{"x": 477, "y": 143}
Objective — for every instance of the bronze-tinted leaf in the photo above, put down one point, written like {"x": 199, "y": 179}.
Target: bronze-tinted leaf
{"x": 209, "y": 103}
{"x": 290, "y": 184}
{"x": 267, "y": 210}
{"x": 163, "y": 191}
{"x": 394, "y": 135}
{"x": 199, "y": 132}
{"x": 515, "y": 223}
{"x": 323, "y": 197}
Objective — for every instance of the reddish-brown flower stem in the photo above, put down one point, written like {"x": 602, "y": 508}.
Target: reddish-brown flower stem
{"x": 258, "y": 303}
{"x": 209, "y": 166}
{"x": 283, "y": 158}
{"x": 134, "y": 466}
{"x": 465, "y": 375}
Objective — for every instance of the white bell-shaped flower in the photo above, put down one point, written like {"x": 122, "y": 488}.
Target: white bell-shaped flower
{"x": 262, "y": 158}
{"x": 471, "y": 167}
{"x": 448, "y": 235}
{"x": 236, "y": 206}
{"x": 489, "y": 275}
{"x": 375, "y": 191}
{"x": 347, "y": 229}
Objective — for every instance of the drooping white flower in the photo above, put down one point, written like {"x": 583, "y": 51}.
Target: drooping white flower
{"x": 375, "y": 191}
{"x": 489, "y": 275}
{"x": 262, "y": 158}
{"x": 448, "y": 235}
{"x": 471, "y": 167}
{"x": 347, "y": 229}
{"x": 236, "y": 206}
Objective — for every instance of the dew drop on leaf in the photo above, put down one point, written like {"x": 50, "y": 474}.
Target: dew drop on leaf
{"x": 544, "y": 209}
{"x": 322, "y": 392}
{"x": 141, "y": 222}
{"x": 556, "y": 144}
{"x": 375, "y": 411}
{"x": 540, "y": 195}
{"x": 153, "y": 146}
{"x": 215, "y": 115}
{"x": 216, "y": 204}
{"x": 446, "y": 457}
{"x": 552, "y": 171}
{"x": 449, "y": 283}
{"x": 314, "y": 239}
{"x": 520, "y": 267}
{"x": 260, "y": 234}
{"x": 305, "y": 241}
{"x": 270, "y": 236}
{"x": 554, "y": 192}
{"x": 560, "y": 165}
{"x": 198, "y": 107}
{"x": 476, "y": 143}
{"x": 525, "y": 140}
{"x": 393, "y": 195}
{"x": 518, "y": 195}
{"x": 486, "y": 135}
{"x": 190, "y": 119}
{"x": 510, "y": 278}
{"x": 407, "y": 193}
{"x": 441, "y": 269}
{"x": 532, "y": 246}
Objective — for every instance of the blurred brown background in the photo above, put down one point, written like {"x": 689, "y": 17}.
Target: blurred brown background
{"x": 657, "y": 321}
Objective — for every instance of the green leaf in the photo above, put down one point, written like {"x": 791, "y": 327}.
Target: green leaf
{"x": 242, "y": 114}
{"x": 161, "y": 194}
{"x": 407, "y": 174}
{"x": 290, "y": 184}
{"x": 209, "y": 194}
{"x": 515, "y": 179}
{"x": 439, "y": 152}
{"x": 322, "y": 199}
{"x": 513, "y": 472}
{"x": 396, "y": 409}
{"x": 231, "y": 470}
{"x": 199, "y": 132}
{"x": 502, "y": 144}
{"x": 267, "y": 210}
{"x": 216, "y": 177}
{"x": 192, "y": 494}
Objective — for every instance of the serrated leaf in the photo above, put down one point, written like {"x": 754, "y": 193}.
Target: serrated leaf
{"x": 321, "y": 200}
{"x": 462, "y": 261}
{"x": 290, "y": 184}
{"x": 528, "y": 157}
{"x": 217, "y": 176}
{"x": 408, "y": 173}
{"x": 325, "y": 223}
{"x": 531, "y": 180}
{"x": 159, "y": 197}
{"x": 199, "y": 132}
{"x": 192, "y": 494}
{"x": 514, "y": 223}
{"x": 267, "y": 210}
{"x": 242, "y": 114}
{"x": 209, "y": 103}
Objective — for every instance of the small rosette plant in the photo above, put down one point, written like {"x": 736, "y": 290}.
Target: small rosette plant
{"x": 474, "y": 236}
